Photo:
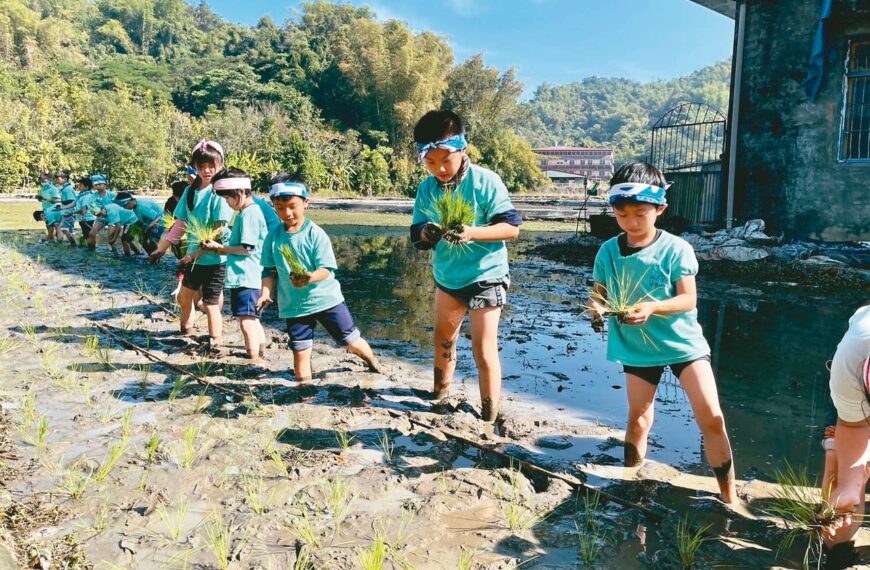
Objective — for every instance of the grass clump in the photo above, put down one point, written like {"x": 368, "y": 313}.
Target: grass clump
{"x": 296, "y": 266}
{"x": 115, "y": 455}
{"x": 174, "y": 522}
{"x": 190, "y": 452}
{"x": 386, "y": 445}
{"x": 689, "y": 541}
{"x": 591, "y": 537}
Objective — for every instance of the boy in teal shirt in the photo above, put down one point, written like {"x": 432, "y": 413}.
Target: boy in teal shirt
{"x": 103, "y": 198}
{"x": 470, "y": 264}
{"x": 149, "y": 216}
{"x": 118, "y": 221}
{"x": 49, "y": 197}
{"x": 243, "y": 251}
{"x": 310, "y": 293}
{"x": 84, "y": 199}
{"x": 648, "y": 275}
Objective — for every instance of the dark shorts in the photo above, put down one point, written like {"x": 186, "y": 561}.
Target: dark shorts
{"x": 206, "y": 278}
{"x": 243, "y": 301}
{"x": 129, "y": 233}
{"x": 489, "y": 293}
{"x": 68, "y": 224}
{"x": 337, "y": 321}
{"x": 653, "y": 374}
{"x": 86, "y": 226}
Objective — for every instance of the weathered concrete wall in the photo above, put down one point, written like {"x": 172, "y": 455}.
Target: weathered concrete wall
{"x": 787, "y": 168}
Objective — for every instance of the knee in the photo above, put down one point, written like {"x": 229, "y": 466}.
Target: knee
{"x": 712, "y": 425}
{"x": 639, "y": 422}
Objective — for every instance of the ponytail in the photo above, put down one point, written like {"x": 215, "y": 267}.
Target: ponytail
{"x": 191, "y": 191}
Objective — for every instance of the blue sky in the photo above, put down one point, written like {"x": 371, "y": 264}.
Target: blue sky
{"x": 553, "y": 41}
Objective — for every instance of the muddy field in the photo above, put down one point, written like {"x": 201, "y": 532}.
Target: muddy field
{"x": 112, "y": 459}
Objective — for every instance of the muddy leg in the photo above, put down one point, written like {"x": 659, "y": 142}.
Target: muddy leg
{"x": 254, "y": 336}
{"x": 215, "y": 322}
{"x": 185, "y": 303}
{"x": 449, "y": 313}
{"x": 484, "y": 345}
{"x": 700, "y": 385}
{"x": 641, "y": 413}
{"x": 362, "y": 349}
{"x": 302, "y": 365}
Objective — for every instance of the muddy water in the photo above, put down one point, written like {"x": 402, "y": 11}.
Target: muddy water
{"x": 769, "y": 354}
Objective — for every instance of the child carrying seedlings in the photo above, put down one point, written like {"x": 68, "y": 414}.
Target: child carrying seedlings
{"x": 202, "y": 216}
{"x": 298, "y": 257}
{"x": 149, "y": 216}
{"x": 67, "y": 226}
{"x": 464, "y": 214}
{"x": 243, "y": 251}
{"x": 118, "y": 222}
{"x": 85, "y": 198}
{"x": 49, "y": 197}
{"x": 645, "y": 284}
{"x": 103, "y": 198}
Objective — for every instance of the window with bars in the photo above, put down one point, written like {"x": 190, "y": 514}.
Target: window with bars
{"x": 855, "y": 131}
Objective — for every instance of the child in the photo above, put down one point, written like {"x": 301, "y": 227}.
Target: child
{"x": 85, "y": 198}
{"x": 104, "y": 197}
{"x": 243, "y": 253}
{"x": 67, "y": 226}
{"x": 470, "y": 269}
{"x": 149, "y": 216}
{"x": 310, "y": 298}
{"x": 198, "y": 204}
{"x": 654, "y": 272}
{"x": 49, "y": 196}
{"x": 119, "y": 223}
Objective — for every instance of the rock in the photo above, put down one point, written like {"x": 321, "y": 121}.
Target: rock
{"x": 822, "y": 260}
{"x": 554, "y": 442}
{"x": 760, "y": 238}
{"x": 741, "y": 253}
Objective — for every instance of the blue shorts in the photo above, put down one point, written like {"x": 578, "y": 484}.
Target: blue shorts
{"x": 243, "y": 301}
{"x": 337, "y": 321}
{"x": 68, "y": 224}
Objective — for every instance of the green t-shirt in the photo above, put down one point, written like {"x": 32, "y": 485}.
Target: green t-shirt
{"x": 147, "y": 211}
{"x": 85, "y": 199}
{"x": 249, "y": 230}
{"x": 115, "y": 214}
{"x": 268, "y": 211}
{"x": 314, "y": 251}
{"x": 457, "y": 266}
{"x": 650, "y": 274}
{"x": 208, "y": 208}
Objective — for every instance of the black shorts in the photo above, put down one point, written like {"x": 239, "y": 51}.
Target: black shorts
{"x": 206, "y": 278}
{"x": 482, "y": 294}
{"x": 653, "y": 374}
{"x": 86, "y": 226}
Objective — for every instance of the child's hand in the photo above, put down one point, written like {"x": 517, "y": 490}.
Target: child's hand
{"x": 300, "y": 281}
{"x": 186, "y": 260}
{"x": 262, "y": 303}
{"x": 432, "y": 233}
{"x": 211, "y": 245}
{"x": 641, "y": 314}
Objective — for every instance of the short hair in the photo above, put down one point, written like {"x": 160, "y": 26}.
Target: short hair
{"x": 286, "y": 177}
{"x": 438, "y": 125}
{"x": 231, "y": 173}
{"x": 178, "y": 187}
{"x": 640, "y": 172}
{"x": 85, "y": 181}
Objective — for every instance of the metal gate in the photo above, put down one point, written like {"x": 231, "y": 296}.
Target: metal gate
{"x": 687, "y": 145}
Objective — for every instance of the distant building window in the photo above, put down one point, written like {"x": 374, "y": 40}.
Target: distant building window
{"x": 855, "y": 131}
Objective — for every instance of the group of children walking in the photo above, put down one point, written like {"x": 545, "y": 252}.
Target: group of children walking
{"x": 261, "y": 253}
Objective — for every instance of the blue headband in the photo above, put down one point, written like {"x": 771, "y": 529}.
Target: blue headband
{"x": 98, "y": 179}
{"x": 638, "y": 192}
{"x": 288, "y": 189}
{"x": 453, "y": 144}
{"x": 122, "y": 202}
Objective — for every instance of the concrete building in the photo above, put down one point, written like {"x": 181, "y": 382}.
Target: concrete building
{"x": 798, "y": 149}
{"x": 596, "y": 164}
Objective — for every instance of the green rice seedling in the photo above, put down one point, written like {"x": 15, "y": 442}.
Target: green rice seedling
{"x": 220, "y": 538}
{"x": 92, "y": 344}
{"x": 109, "y": 412}
{"x": 689, "y": 541}
{"x": 190, "y": 450}
{"x": 343, "y": 439}
{"x": 303, "y": 560}
{"x": 178, "y": 386}
{"x": 126, "y": 419}
{"x": 50, "y": 365}
{"x": 452, "y": 212}
{"x": 518, "y": 517}
{"x": 152, "y": 447}
{"x": 302, "y": 528}
{"x": 104, "y": 357}
{"x": 590, "y": 543}
{"x": 204, "y": 367}
{"x": 128, "y": 320}
{"x": 37, "y": 439}
{"x": 466, "y": 559}
{"x": 386, "y": 445}
{"x": 29, "y": 331}
{"x": 296, "y": 266}
{"x": 374, "y": 557}
{"x": 337, "y": 497}
{"x": 115, "y": 455}
{"x": 621, "y": 298}
{"x": 8, "y": 344}
{"x": 76, "y": 482}
{"x": 28, "y": 411}
{"x": 197, "y": 232}
{"x": 255, "y": 489}
{"x": 101, "y": 518}
{"x": 168, "y": 220}
{"x": 803, "y": 511}
{"x": 174, "y": 522}
{"x": 201, "y": 403}
{"x": 96, "y": 291}
{"x": 278, "y": 461}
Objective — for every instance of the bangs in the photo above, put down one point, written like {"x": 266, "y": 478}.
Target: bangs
{"x": 207, "y": 155}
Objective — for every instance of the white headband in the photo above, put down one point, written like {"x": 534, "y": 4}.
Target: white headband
{"x": 233, "y": 184}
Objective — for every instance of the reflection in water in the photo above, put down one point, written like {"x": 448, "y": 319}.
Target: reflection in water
{"x": 769, "y": 356}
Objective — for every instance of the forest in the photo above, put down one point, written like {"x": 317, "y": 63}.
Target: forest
{"x": 126, "y": 87}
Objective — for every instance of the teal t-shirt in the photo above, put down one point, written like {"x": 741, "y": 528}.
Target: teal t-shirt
{"x": 208, "y": 208}
{"x": 650, "y": 274}
{"x": 67, "y": 192}
{"x": 268, "y": 211}
{"x": 147, "y": 211}
{"x": 314, "y": 250}
{"x": 115, "y": 214}
{"x": 47, "y": 193}
{"x": 249, "y": 230}
{"x": 85, "y": 199}
{"x": 457, "y": 266}
{"x": 105, "y": 200}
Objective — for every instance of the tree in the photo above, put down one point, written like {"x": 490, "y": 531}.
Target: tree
{"x": 373, "y": 174}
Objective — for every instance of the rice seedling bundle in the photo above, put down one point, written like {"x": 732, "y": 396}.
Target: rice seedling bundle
{"x": 198, "y": 232}
{"x": 296, "y": 267}
{"x": 452, "y": 212}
